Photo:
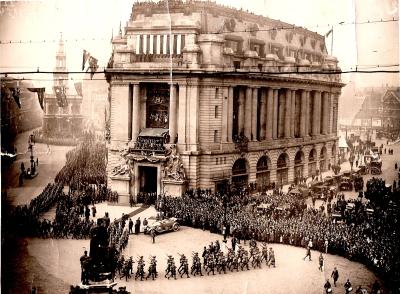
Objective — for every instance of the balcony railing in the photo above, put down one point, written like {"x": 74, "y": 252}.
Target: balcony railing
{"x": 156, "y": 58}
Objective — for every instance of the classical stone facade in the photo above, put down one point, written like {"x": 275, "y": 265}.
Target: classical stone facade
{"x": 62, "y": 111}
{"x": 246, "y": 99}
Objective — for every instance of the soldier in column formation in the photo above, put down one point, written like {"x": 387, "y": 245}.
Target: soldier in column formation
{"x": 140, "y": 269}
{"x": 171, "y": 268}
{"x": 152, "y": 268}
{"x": 184, "y": 266}
{"x": 196, "y": 265}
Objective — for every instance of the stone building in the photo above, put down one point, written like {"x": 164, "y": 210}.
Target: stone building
{"x": 238, "y": 98}
{"x": 62, "y": 108}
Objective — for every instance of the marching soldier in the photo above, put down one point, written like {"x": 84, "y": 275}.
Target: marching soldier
{"x": 140, "y": 269}
{"x": 196, "y": 266}
{"x": 152, "y": 268}
{"x": 171, "y": 268}
{"x": 271, "y": 260}
{"x": 184, "y": 266}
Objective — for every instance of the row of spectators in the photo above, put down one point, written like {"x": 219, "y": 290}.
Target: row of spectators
{"x": 372, "y": 239}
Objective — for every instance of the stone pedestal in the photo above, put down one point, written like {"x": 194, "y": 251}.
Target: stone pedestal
{"x": 174, "y": 188}
{"x": 121, "y": 184}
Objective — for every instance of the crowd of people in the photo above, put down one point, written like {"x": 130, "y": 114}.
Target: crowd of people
{"x": 368, "y": 238}
{"x": 84, "y": 165}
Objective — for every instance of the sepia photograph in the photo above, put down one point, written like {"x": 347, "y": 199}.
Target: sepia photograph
{"x": 200, "y": 146}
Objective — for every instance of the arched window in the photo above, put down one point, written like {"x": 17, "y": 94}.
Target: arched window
{"x": 312, "y": 163}
{"x": 322, "y": 160}
{"x": 263, "y": 174}
{"x": 282, "y": 170}
{"x": 239, "y": 173}
{"x": 298, "y": 166}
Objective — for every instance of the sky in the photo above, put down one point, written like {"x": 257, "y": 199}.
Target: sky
{"x": 89, "y": 24}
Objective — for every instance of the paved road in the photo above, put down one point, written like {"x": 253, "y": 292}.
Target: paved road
{"x": 49, "y": 165}
{"x": 292, "y": 274}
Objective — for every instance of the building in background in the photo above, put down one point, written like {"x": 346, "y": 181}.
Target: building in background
{"x": 380, "y": 111}
{"x": 62, "y": 108}
{"x": 206, "y": 96}
{"x": 94, "y": 105}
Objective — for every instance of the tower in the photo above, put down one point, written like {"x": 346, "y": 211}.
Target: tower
{"x": 60, "y": 75}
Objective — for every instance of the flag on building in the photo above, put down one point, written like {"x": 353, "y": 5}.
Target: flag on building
{"x": 61, "y": 96}
{"x": 86, "y": 56}
{"x": 40, "y": 94}
{"x": 78, "y": 88}
{"x": 93, "y": 66}
{"x": 16, "y": 92}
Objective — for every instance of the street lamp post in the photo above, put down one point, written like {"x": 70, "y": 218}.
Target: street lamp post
{"x": 31, "y": 142}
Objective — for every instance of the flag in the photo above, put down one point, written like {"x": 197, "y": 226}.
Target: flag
{"x": 16, "y": 92}
{"x": 78, "y": 88}
{"x": 85, "y": 57}
{"x": 40, "y": 94}
{"x": 60, "y": 96}
{"x": 328, "y": 33}
{"x": 92, "y": 66}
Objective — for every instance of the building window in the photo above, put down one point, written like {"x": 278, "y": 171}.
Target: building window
{"x": 216, "y": 111}
{"x": 224, "y": 160}
{"x": 216, "y": 93}
{"x": 215, "y": 136}
{"x": 216, "y": 161}
{"x": 236, "y": 64}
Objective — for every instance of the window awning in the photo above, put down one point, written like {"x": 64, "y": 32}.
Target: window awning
{"x": 153, "y": 132}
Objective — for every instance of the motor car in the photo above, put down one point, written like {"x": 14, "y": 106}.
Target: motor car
{"x": 358, "y": 183}
{"x": 346, "y": 184}
{"x": 320, "y": 192}
{"x": 375, "y": 167}
{"x": 165, "y": 225}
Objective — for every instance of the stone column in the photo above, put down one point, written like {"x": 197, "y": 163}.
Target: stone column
{"x": 193, "y": 116}
{"x": 158, "y": 49}
{"x": 230, "y": 113}
{"x": 275, "y": 116}
{"x": 151, "y": 49}
{"x": 172, "y": 113}
{"x": 247, "y": 113}
{"x": 318, "y": 111}
{"x": 315, "y": 118}
{"x": 182, "y": 114}
{"x": 145, "y": 49}
{"x": 263, "y": 117}
{"x": 288, "y": 112}
{"x": 326, "y": 112}
{"x": 135, "y": 112}
{"x": 270, "y": 113}
{"x": 303, "y": 114}
{"x": 307, "y": 113}
{"x": 241, "y": 110}
{"x": 254, "y": 115}
{"x": 224, "y": 118}
{"x": 164, "y": 45}
{"x": 293, "y": 114}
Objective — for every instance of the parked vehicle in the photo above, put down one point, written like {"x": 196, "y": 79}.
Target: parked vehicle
{"x": 345, "y": 184}
{"x": 165, "y": 225}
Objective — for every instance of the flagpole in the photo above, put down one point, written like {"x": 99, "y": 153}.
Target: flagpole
{"x": 332, "y": 43}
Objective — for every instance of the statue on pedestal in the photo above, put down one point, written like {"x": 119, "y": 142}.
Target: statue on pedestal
{"x": 174, "y": 169}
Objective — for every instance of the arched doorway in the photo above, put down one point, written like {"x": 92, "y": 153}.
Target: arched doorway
{"x": 282, "y": 170}
{"x": 298, "y": 167}
{"x": 312, "y": 163}
{"x": 322, "y": 160}
{"x": 240, "y": 176}
{"x": 263, "y": 174}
